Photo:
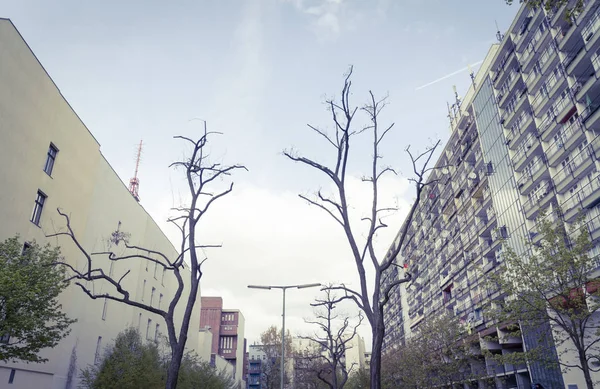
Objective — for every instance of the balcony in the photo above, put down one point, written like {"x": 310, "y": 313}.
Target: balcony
{"x": 531, "y": 176}
{"x": 503, "y": 72}
{"x": 586, "y": 197}
{"x": 512, "y": 113}
{"x": 589, "y": 33}
{"x": 564, "y": 141}
{"x": 577, "y": 167}
{"x": 592, "y": 219}
{"x": 533, "y": 17}
{"x": 521, "y": 127}
{"x": 538, "y": 200}
{"x": 526, "y": 152}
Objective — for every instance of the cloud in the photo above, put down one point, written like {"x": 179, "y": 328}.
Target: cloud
{"x": 275, "y": 238}
{"x": 329, "y": 19}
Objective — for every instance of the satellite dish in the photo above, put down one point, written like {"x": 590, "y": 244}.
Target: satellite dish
{"x": 445, "y": 170}
{"x": 445, "y": 233}
{"x": 472, "y": 175}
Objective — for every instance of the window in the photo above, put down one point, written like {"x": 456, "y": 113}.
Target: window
{"x": 162, "y": 278}
{"x": 11, "y": 378}
{"x": 152, "y": 295}
{"x": 38, "y": 207}
{"x": 26, "y": 246}
{"x": 157, "y": 332}
{"x": 97, "y": 355}
{"x": 160, "y": 297}
{"x": 104, "y": 309}
{"x": 140, "y": 321}
{"x": 148, "y": 329}
{"x": 50, "y": 158}
{"x": 143, "y": 290}
{"x": 155, "y": 269}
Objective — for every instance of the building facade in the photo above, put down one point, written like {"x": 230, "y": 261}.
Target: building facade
{"x": 51, "y": 160}
{"x": 256, "y": 359}
{"x": 227, "y": 328}
{"x": 524, "y": 141}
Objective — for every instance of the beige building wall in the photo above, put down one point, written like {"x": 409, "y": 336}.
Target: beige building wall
{"x": 34, "y": 114}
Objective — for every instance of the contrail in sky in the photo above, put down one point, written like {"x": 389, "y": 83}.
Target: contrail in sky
{"x": 449, "y": 75}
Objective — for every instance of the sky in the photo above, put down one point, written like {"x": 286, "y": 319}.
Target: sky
{"x": 259, "y": 71}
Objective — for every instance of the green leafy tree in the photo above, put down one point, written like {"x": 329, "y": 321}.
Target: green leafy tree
{"x": 358, "y": 379}
{"x": 271, "y": 346}
{"x": 31, "y": 317}
{"x": 132, "y": 363}
{"x": 572, "y": 7}
{"x": 437, "y": 355}
{"x": 554, "y": 282}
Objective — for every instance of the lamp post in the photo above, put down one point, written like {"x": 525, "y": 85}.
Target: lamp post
{"x": 283, "y": 289}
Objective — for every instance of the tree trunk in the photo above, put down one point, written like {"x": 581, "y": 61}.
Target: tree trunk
{"x": 377, "y": 346}
{"x": 586, "y": 370}
{"x": 179, "y": 350}
{"x": 173, "y": 372}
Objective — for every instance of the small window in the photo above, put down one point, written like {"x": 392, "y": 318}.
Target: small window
{"x": 160, "y": 301}
{"x": 140, "y": 322}
{"x": 26, "y": 246}
{"x": 152, "y": 295}
{"x": 11, "y": 378}
{"x": 38, "y": 207}
{"x": 104, "y": 309}
{"x": 98, "y": 346}
{"x": 162, "y": 279}
{"x": 50, "y": 158}
{"x": 143, "y": 290}
{"x": 148, "y": 329}
{"x": 157, "y": 332}
{"x": 155, "y": 269}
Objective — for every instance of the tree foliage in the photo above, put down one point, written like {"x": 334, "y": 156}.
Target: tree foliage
{"x": 271, "y": 345}
{"x": 31, "y": 317}
{"x": 358, "y": 379}
{"x": 555, "y": 282}
{"x": 437, "y": 355}
{"x": 571, "y": 7}
{"x": 131, "y": 363}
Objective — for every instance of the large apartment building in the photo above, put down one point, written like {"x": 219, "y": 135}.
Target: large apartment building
{"x": 524, "y": 139}
{"x": 50, "y": 159}
{"x": 227, "y": 328}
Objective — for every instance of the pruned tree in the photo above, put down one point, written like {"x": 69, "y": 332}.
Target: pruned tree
{"x": 200, "y": 176}
{"x": 271, "y": 367}
{"x": 31, "y": 317}
{"x": 362, "y": 246}
{"x": 555, "y": 281}
{"x": 333, "y": 338}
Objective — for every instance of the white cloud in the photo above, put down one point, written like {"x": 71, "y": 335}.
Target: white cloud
{"x": 276, "y": 238}
{"x": 328, "y": 19}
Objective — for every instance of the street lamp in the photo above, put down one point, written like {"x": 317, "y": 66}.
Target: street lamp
{"x": 283, "y": 288}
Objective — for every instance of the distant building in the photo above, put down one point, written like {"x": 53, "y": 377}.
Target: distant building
{"x": 256, "y": 359}
{"x": 227, "y": 329}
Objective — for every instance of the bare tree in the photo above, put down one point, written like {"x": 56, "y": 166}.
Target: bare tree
{"x": 371, "y": 302}
{"x": 333, "y": 338}
{"x": 200, "y": 173}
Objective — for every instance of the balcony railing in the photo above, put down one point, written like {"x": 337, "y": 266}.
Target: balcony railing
{"x": 562, "y": 137}
{"x": 591, "y": 27}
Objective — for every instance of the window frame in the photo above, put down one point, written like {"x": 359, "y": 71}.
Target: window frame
{"x": 50, "y": 159}
{"x": 38, "y": 207}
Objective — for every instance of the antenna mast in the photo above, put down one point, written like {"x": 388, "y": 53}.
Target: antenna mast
{"x": 134, "y": 183}
{"x": 499, "y": 35}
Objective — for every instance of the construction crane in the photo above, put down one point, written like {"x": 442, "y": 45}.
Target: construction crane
{"x": 134, "y": 182}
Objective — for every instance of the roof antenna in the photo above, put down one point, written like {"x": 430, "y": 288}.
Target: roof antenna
{"x": 134, "y": 183}
{"x": 499, "y": 35}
